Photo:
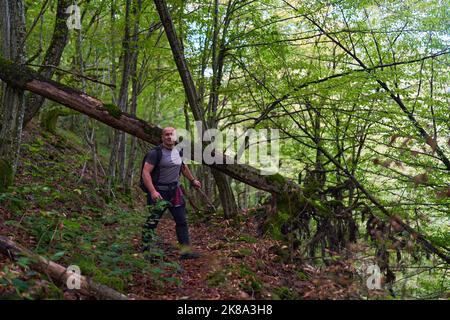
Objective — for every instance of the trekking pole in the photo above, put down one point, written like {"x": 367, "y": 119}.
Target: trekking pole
{"x": 211, "y": 206}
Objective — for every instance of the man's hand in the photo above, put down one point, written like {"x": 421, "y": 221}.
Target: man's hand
{"x": 196, "y": 184}
{"x": 156, "y": 196}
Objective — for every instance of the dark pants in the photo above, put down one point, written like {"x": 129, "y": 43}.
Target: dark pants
{"x": 156, "y": 212}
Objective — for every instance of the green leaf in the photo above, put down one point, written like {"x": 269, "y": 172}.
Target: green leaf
{"x": 58, "y": 255}
{"x": 20, "y": 284}
{"x": 23, "y": 262}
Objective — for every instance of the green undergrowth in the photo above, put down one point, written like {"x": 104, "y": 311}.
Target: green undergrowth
{"x": 73, "y": 222}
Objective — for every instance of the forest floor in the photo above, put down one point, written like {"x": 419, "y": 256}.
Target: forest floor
{"x": 61, "y": 214}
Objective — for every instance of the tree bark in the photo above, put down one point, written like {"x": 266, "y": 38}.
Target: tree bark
{"x": 135, "y": 91}
{"x": 12, "y": 102}
{"x": 113, "y": 136}
{"x": 180, "y": 61}
{"x": 52, "y": 58}
{"x": 120, "y": 137}
{"x": 226, "y": 195}
{"x": 227, "y": 198}
{"x": 57, "y": 272}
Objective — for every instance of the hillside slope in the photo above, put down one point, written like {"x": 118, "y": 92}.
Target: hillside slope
{"x": 67, "y": 218}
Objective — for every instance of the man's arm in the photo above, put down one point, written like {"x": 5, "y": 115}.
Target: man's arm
{"x": 148, "y": 168}
{"x": 187, "y": 173}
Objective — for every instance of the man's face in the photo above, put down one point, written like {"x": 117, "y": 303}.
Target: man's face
{"x": 169, "y": 136}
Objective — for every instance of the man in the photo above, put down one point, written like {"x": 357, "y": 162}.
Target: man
{"x": 160, "y": 176}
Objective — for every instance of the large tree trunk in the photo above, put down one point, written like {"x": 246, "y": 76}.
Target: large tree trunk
{"x": 57, "y": 272}
{"x": 12, "y": 102}
{"x": 226, "y": 195}
{"x": 52, "y": 57}
{"x": 135, "y": 91}
{"x": 227, "y": 198}
{"x": 24, "y": 78}
{"x": 225, "y": 192}
{"x": 119, "y": 141}
{"x": 113, "y": 136}
{"x": 183, "y": 70}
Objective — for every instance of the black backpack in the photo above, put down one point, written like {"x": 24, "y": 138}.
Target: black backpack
{"x": 155, "y": 172}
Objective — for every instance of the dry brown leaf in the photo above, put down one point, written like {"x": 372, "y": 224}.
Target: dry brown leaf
{"x": 443, "y": 193}
{"x": 420, "y": 179}
{"x": 395, "y": 224}
{"x": 393, "y": 139}
{"x": 407, "y": 140}
{"x": 243, "y": 295}
{"x": 432, "y": 143}
{"x": 414, "y": 153}
{"x": 386, "y": 163}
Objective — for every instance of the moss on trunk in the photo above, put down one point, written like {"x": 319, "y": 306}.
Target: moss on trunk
{"x": 49, "y": 117}
{"x": 6, "y": 175}
{"x": 17, "y": 77}
{"x": 113, "y": 110}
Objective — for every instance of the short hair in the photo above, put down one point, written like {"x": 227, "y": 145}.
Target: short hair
{"x": 167, "y": 128}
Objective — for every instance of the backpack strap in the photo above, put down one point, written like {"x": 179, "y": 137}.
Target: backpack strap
{"x": 156, "y": 170}
{"x": 182, "y": 163}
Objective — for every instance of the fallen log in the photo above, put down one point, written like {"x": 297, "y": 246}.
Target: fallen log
{"x": 26, "y": 79}
{"x": 57, "y": 272}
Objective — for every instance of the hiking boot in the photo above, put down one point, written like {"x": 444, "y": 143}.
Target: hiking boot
{"x": 189, "y": 255}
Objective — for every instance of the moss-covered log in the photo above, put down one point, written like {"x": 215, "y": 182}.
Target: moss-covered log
{"x": 25, "y": 78}
{"x": 57, "y": 272}
{"x": 49, "y": 117}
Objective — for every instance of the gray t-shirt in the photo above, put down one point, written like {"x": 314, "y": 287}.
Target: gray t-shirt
{"x": 169, "y": 165}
